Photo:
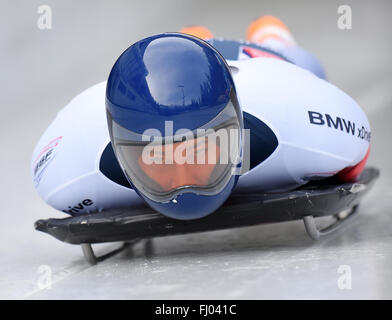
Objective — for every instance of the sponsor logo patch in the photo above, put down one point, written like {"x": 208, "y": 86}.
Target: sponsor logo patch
{"x": 43, "y": 159}
{"x": 339, "y": 123}
{"x": 79, "y": 208}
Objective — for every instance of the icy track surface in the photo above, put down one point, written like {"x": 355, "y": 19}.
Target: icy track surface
{"x": 43, "y": 70}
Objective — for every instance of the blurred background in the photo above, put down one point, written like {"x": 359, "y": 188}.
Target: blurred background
{"x": 42, "y": 70}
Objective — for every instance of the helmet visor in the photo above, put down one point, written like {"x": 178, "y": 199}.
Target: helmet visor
{"x": 162, "y": 165}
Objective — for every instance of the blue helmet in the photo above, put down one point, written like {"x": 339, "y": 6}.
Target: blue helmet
{"x": 175, "y": 124}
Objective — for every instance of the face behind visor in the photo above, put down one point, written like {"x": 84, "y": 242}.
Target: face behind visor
{"x": 180, "y": 152}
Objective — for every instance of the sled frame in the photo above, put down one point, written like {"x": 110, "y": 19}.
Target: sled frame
{"x": 309, "y": 222}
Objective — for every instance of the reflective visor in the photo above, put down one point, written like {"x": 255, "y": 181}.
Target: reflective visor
{"x": 163, "y": 165}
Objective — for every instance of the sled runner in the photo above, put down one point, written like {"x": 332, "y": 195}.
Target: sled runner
{"x": 316, "y": 199}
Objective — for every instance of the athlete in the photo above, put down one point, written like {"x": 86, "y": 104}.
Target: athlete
{"x": 168, "y": 94}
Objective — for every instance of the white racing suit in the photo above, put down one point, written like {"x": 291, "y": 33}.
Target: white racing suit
{"x": 301, "y": 128}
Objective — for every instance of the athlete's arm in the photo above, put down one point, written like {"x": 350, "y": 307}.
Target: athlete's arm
{"x": 73, "y": 166}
